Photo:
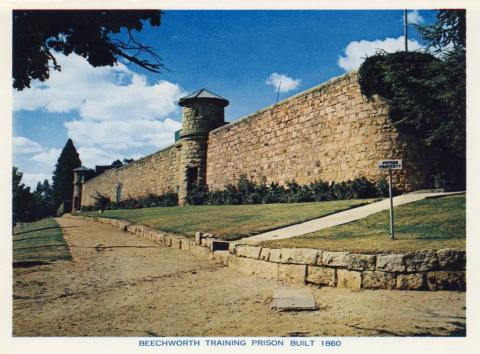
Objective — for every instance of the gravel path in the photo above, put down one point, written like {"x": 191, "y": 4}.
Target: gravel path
{"x": 340, "y": 218}
{"x": 120, "y": 285}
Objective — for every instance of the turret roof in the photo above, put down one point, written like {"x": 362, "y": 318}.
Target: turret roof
{"x": 202, "y": 94}
{"x": 82, "y": 168}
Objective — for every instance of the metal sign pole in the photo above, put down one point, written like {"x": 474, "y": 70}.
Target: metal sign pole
{"x": 392, "y": 227}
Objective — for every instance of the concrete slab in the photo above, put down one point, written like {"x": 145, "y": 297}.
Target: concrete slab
{"x": 286, "y": 299}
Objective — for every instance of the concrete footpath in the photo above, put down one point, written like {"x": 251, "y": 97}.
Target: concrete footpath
{"x": 342, "y": 217}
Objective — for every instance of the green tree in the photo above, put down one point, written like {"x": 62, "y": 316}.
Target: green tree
{"x": 426, "y": 95}
{"x": 92, "y": 34}
{"x": 62, "y": 188}
{"x": 22, "y": 199}
{"x": 43, "y": 200}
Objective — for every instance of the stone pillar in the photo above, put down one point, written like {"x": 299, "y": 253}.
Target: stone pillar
{"x": 203, "y": 111}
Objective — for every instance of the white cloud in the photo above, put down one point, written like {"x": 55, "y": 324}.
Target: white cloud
{"x": 414, "y": 17}
{"x": 118, "y": 109}
{"x": 286, "y": 83}
{"x": 357, "y": 51}
{"x": 47, "y": 157}
{"x": 31, "y": 179}
{"x": 123, "y": 134}
{"x": 22, "y": 145}
{"x": 95, "y": 156}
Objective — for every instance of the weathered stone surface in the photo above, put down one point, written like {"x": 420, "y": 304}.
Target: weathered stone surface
{"x": 139, "y": 230}
{"x": 167, "y": 240}
{"x": 451, "y": 259}
{"x": 208, "y": 242}
{"x": 446, "y": 280}
{"x": 300, "y": 255}
{"x": 415, "y": 281}
{"x": 232, "y": 248}
{"x": 204, "y": 242}
{"x": 176, "y": 242}
{"x": 360, "y": 262}
{"x": 275, "y": 255}
{"x": 391, "y": 262}
{"x": 255, "y": 267}
{"x": 321, "y": 275}
{"x": 249, "y": 251}
{"x": 198, "y": 238}
{"x": 378, "y": 280}
{"x": 335, "y": 259}
{"x": 154, "y": 173}
{"x": 185, "y": 245}
{"x": 264, "y": 254}
{"x": 122, "y": 225}
{"x": 277, "y": 143}
{"x": 292, "y": 273}
{"x": 420, "y": 261}
{"x": 349, "y": 279}
{"x": 200, "y": 251}
{"x": 157, "y": 237}
{"x": 222, "y": 257}
{"x": 131, "y": 228}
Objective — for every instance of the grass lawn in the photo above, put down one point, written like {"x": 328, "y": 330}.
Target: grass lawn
{"x": 40, "y": 241}
{"x": 426, "y": 224}
{"x": 230, "y": 221}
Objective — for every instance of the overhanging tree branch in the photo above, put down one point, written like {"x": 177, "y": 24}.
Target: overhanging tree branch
{"x": 86, "y": 33}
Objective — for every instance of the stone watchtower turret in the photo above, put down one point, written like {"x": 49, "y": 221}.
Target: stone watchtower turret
{"x": 80, "y": 175}
{"x": 203, "y": 111}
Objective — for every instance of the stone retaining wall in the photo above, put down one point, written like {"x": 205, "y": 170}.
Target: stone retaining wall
{"x": 419, "y": 270}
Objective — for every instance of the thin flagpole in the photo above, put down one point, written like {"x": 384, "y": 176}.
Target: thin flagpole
{"x": 405, "y": 29}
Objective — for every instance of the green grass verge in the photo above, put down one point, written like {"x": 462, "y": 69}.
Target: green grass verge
{"x": 426, "y": 224}
{"x": 230, "y": 221}
{"x": 40, "y": 241}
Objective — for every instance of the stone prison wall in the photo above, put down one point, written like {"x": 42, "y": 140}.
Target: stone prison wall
{"x": 329, "y": 133}
{"x": 155, "y": 173}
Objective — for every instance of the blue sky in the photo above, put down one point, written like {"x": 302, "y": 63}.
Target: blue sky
{"x": 126, "y": 111}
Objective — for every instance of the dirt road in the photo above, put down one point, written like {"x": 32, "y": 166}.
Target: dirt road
{"x": 121, "y": 285}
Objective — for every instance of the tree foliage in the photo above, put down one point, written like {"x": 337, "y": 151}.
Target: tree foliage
{"x": 43, "y": 200}
{"x": 447, "y": 34}
{"x": 28, "y": 206}
{"x": 22, "y": 199}
{"x": 92, "y": 34}
{"x": 62, "y": 189}
{"x": 426, "y": 95}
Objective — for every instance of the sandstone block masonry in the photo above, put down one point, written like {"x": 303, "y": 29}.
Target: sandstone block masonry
{"x": 434, "y": 269}
{"x": 152, "y": 174}
{"x": 330, "y": 132}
